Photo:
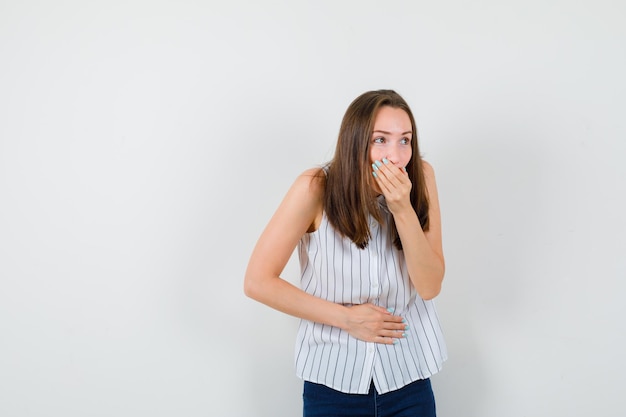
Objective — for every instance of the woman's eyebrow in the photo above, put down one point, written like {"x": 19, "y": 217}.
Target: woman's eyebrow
{"x": 389, "y": 133}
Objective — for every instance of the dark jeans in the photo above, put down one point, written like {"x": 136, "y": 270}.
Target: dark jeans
{"x": 413, "y": 400}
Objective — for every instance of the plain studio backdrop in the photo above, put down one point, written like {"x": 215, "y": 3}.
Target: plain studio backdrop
{"x": 144, "y": 145}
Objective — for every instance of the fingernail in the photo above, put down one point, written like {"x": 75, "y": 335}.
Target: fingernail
{"x": 395, "y": 341}
{"x": 375, "y": 167}
{"x": 391, "y": 310}
{"x": 403, "y": 334}
{"x": 404, "y": 169}
{"x": 403, "y": 320}
{"x": 406, "y": 327}
{"x": 377, "y": 162}
{"x": 385, "y": 160}
{"x": 374, "y": 174}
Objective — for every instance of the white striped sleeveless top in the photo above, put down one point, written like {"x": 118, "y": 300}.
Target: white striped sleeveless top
{"x": 335, "y": 269}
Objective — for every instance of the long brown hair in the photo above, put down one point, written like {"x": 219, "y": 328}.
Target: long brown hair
{"x": 349, "y": 198}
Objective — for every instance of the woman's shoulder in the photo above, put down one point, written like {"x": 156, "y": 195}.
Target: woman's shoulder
{"x": 310, "y": 186}
{"x": 427, "y": 167}
{"x": 429, "y": 171}
{"x": 316, "y": 172}
{"x": 312, "y": 181}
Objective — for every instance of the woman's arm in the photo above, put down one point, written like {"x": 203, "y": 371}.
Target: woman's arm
{"x": 422, "y": 250}
{"x": 298, "y": 213}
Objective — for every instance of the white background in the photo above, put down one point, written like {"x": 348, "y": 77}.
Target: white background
{"x": 145, "y": 144}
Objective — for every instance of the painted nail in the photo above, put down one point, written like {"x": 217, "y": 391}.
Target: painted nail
{"x": 375, "y": 167}
{"x": 385, "y": 160}
{"x": 403, "y": 334}
{"x": 404, "y": 169}
{"x": 406, "y": 327}
{"x": 374, "y": 174}
{"x": 395, "y": 341}
{"x": 391, "y": 310}
{"x": 377, "y": 162}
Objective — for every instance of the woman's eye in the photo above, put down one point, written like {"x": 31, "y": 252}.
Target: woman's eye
{"x": 405, "y": 141}
{"x": 379, "y": 140}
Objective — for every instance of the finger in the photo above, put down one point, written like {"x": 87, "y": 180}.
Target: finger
{"x": 394, "y": 320}
{"x": 389, "y": 317}
{"x": 386, "y": 310}
{"x": 389, "y": 177}
{"x": 383, "y": 183}
{"x": 392, "y": 171}
{"x": 384, "y": 172}
{"x": 398, "y": 334}
{"x": 396, "y": 326}
{"x": 386, "y": 340}
{"x": 379, "y": 308}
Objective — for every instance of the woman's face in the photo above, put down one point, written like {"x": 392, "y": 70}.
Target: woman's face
{"x": 392, "y": 137}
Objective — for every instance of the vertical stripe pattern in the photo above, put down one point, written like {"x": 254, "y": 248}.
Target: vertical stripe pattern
{"x": 333, "y": 268}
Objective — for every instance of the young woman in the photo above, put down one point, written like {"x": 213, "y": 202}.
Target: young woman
{"x": 368, "y": 231}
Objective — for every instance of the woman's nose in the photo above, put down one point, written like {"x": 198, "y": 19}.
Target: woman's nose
{"x": 392, "y": 156}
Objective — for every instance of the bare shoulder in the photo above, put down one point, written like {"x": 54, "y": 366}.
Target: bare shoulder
{"x": 431, "y": 183}
{"x": 429, "y": 171}
{"x": 310, "y": 186}
{"x": 314, "y": 178}
{"x": 296, "y": 214}
{"x": 301, "y": 209}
